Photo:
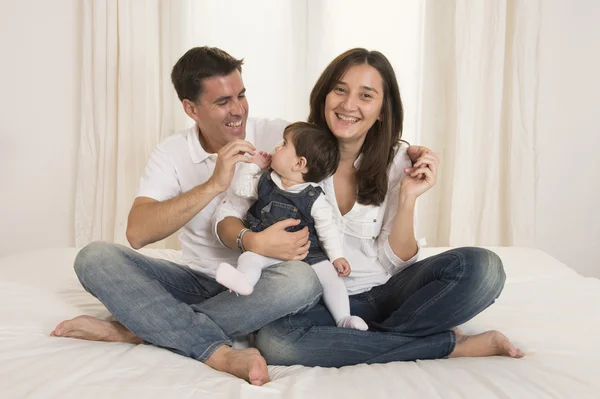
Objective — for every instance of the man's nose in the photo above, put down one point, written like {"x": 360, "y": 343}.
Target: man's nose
{"x": 237, "y": 108}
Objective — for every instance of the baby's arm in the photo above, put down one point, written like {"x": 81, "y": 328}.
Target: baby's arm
{"x": 245, "y": 182}
{"x": 328, "y": 233}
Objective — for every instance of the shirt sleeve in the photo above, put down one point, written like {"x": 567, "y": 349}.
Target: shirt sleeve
{"x": 160, "y": 180}
{"x": 392, "y": 263}
{"x": 328, "y": 233}
{"x": 240, "y": 196}
{"x": 245, "y": 181}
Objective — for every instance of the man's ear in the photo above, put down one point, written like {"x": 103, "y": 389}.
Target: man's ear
{"x": 301, "y": 165}
{"x": 190, "y": 108}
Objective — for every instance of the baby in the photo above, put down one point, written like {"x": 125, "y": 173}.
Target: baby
{"x": 307, "y": 155}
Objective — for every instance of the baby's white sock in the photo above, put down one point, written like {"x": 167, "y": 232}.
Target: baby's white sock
{"x": 243, "y": 279}
{"x": 353, "y": 322}
{"x": 233, "y": 279}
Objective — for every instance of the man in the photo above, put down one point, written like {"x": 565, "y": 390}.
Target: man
{"x": 180, "y": 306}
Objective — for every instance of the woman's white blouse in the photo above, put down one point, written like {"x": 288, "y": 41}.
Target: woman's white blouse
{"x": 365, "y": 230}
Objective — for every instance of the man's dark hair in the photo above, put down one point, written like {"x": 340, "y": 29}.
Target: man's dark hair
{"x": 198, "y": 64}
{"x": 318, "y": 146}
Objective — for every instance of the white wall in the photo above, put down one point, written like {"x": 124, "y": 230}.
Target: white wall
{"x": 39, "y": 121}
{"x": 568, "y": 134}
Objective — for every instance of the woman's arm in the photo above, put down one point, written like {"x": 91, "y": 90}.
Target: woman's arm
{"x": 397, "y": 245}
{"x": 402, "y": 236}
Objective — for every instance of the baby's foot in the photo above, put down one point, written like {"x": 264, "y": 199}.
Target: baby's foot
{"x": 233, "y": 279}
{"x": 353, "y": 322}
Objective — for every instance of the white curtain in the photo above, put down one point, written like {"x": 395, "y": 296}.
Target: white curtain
{"x": 128, "y": 107}
{"x": 467, "y": 72}
{"x": 477, "y": 110}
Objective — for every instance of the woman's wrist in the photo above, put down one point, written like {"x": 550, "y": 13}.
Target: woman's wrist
{"x": 407, "y": 201}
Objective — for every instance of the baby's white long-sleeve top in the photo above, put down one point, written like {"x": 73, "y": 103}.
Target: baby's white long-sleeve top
{"x": 245, "y": 185}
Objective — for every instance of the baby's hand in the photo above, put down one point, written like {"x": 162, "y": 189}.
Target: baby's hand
{"x": 262, "y": 159}
{"x": 342, "y": 266}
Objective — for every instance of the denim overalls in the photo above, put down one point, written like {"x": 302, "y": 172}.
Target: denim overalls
{"x": 274, "y": 204}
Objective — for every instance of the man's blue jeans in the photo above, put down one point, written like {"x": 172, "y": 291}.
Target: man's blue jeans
{"x": 409, "y": 317}
{"x": 177, "y": 308}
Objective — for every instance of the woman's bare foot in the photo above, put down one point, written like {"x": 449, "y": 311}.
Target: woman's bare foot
{"x": 489, "y": 343}
{"x": 247, "y": 364}
{"x": 458, "y": 332}
{"x": 93, "y": 329}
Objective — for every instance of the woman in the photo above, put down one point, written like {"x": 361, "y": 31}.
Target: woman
{"x": 411, "y": 307}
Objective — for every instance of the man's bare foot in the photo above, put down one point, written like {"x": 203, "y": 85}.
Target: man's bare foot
{"x": 93, "y": 329}
{"x": 247, "y": 364}
{"x": 489, "y": 343}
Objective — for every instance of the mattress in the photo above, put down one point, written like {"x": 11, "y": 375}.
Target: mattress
{"x": 547, "y": 309}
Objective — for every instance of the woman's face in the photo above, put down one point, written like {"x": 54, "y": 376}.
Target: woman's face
{"x": 355, "y": 103}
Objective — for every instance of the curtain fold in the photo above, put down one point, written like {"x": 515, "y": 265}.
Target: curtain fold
{"x": 477, "y": 109}
{"x": 128, "y": 107}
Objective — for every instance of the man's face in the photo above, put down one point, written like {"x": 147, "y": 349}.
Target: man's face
{"x": 222, "y": 110}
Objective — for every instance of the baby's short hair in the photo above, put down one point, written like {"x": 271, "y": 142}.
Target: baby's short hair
{"x": 318, "y": 146}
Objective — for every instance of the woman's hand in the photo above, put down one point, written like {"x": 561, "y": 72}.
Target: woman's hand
{"x": 422, "y": 175}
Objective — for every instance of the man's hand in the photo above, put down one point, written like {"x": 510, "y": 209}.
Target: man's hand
{"x": 228, "y": 157}
{"x": 262, "y": 159}
{"x": 342, "y": 266}
{"x": 276, "y": 242}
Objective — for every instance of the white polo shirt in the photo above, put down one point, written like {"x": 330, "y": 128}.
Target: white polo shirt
{"x": 178, "y": 164}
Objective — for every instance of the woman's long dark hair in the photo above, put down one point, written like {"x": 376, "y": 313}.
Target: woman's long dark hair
{"x": 383, "y": 137}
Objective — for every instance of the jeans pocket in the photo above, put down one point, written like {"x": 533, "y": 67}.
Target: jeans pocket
{"x": 277, "y": 211}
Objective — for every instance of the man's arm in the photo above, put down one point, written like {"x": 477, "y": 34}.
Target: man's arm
{"x": 151, "y": 220}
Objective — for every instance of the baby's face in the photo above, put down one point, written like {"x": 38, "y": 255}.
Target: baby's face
{"x": 285, "y": 158}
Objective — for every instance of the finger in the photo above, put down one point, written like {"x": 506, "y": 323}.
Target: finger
{"x": 237, "y": 143}
{"x": 284, "y": 224}
{"x": 239, "y": 158}
{"x": 239, "y": 147}
{"x": 425, "y": 173}
{"x": 302, "y": 235}
{"x": 428, "y": 159}
{"x": 301, "y": 256}
{"x": 304, "y": 248}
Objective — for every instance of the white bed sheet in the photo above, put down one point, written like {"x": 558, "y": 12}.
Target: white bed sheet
{"x": 546, "y": 308}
